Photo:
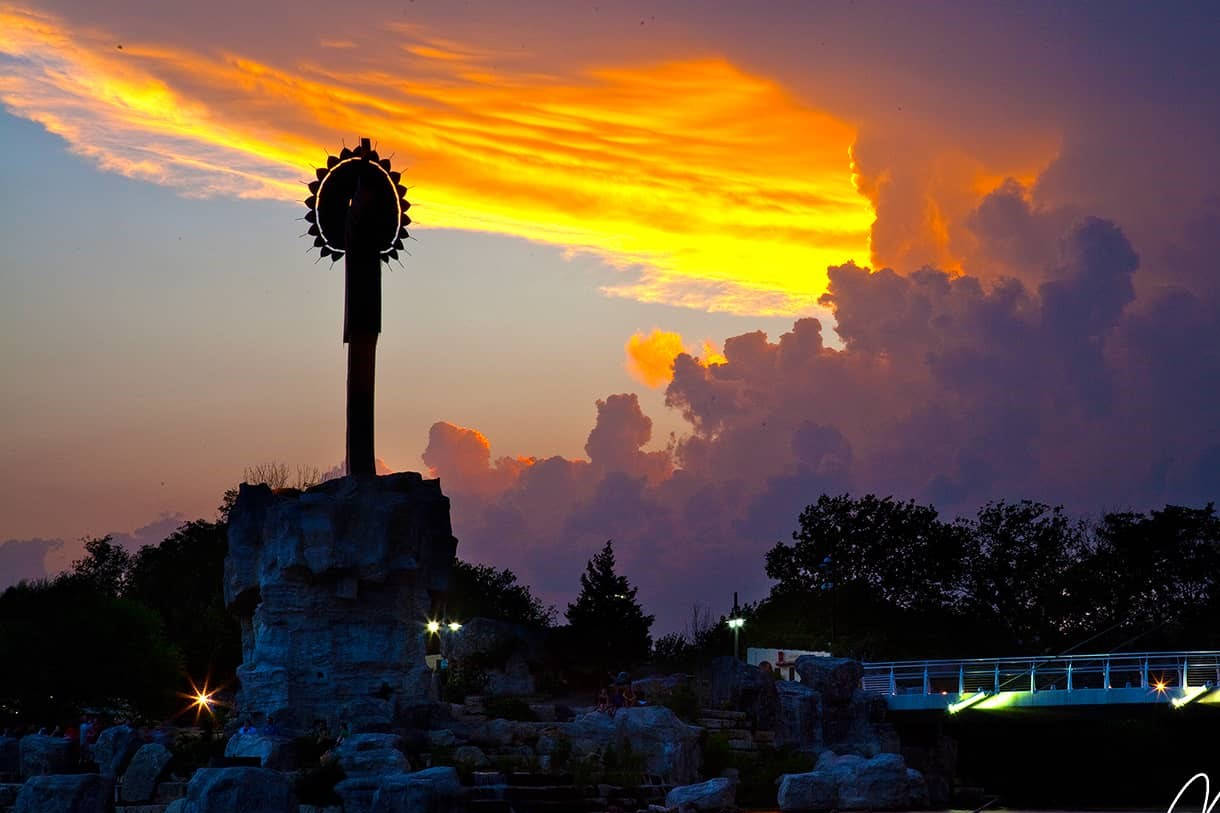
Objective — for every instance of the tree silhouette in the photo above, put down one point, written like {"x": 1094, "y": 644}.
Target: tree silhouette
{"x": 606, "y": 620}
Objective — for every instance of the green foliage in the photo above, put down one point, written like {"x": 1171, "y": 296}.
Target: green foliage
{"x": 482, "y": 591}
{"x": 66, "y": 646}
{"x": 758, "y": 771}
{"x": 466, "y": 677}
{"x": 606, "y": 621}
{"x": 104, "y": 568}
{"x": 875, "y": 577}
{"x": 181, "y": 580}
{"x": 509, "y": 708}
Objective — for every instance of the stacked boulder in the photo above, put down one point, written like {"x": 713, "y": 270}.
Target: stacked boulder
{"x": 851, "y": 782}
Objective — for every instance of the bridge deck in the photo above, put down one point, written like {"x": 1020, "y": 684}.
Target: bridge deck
{"x": 1175, "y": 678}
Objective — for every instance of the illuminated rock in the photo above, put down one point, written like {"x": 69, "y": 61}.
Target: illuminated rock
{"x": 332, "y": 587}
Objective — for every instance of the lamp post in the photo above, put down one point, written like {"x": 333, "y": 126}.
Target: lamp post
{"x": 736, "y": 622}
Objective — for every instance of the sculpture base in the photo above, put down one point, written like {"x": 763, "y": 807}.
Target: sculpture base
{"x": 333, "y": 588}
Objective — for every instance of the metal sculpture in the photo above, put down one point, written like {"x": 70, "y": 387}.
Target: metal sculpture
{"x": 358, "y": 211}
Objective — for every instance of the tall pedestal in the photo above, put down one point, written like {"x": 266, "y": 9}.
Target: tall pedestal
{"x": 333, "y": 588}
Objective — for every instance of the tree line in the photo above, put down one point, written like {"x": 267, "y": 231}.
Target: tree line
{"x": 870, "y": 577}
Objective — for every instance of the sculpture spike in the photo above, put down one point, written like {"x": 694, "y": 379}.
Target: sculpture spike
{"x": 313, "y": 187}
{"x": 345, "y": 154}
{"x": 395, "y": 176}
{"x": 331, "y": 161}
{"x": 319, "y": 242}
{"x": 322, "y": 172}
{"x": 385, "y": 164}
{"x": 312, "y": 230}
{"x": 374, "y": 157}
{"x": 402, "y": 232}
{"x": 336, "y": 255}
{"x": 311, "y": 216}
{"x": 325, "y": 251}
{"x": 397, "y": 244}
{"x": 311, "y": 201}
{"x": 393, "y": 255}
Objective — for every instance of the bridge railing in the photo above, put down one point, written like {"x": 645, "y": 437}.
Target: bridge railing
{"x": 1160, "y": 670}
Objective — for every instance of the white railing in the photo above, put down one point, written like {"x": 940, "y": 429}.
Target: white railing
{"x": 963, "y": 676}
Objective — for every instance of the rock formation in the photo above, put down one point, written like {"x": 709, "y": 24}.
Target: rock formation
{"x": 333, "y": 588}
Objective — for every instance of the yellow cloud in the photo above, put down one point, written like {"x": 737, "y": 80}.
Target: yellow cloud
{"x": 650, "y": 357}
{"x": 711, "y": 187}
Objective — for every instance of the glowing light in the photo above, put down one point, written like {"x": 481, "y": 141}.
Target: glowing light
{"x": 454, "y": 626}
{"x": 968, "y": 701}
{"x": 203, "y": 700}
{"x": 434, "y": 627}
{"x": 736, "y": 623}
{"x": 1160, "y": 685}
{"x": 1190, "y": 695}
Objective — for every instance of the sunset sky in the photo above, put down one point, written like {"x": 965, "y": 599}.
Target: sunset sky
{"x": 627, "y": 218}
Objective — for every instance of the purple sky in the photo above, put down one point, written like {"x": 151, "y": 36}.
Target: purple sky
{"x": 1041, "y": 183}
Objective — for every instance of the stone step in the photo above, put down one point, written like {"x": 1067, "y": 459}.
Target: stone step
{"x": 140, "y": 808}
{"x": 738, "y": 733}
{"x": 169, "y": 791}
{"x": 742, "y": 745}
{"x": 525, "y": 779}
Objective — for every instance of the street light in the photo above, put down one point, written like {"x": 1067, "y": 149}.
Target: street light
{"x": 735, "y": 624}
{"x": 434, "y": 627}
{"x": 454, "y": 626}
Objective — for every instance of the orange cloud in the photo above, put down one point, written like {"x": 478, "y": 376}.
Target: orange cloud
{"x": 650, "y": 358}
{"x": 710, "y": 187}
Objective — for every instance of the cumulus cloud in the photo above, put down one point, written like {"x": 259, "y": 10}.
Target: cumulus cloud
{"x": 650, "y": 357}
{"x": 1060, "y": 384}
{"x": 25, "y": 559}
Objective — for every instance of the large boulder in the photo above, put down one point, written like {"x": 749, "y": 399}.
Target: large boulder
{"x": 736, "y": 685}
{"x": 851, "y": 782}
{"x": 145, "y": 770}
{"x": 276, "y": 753}
{"x": 471, "y": 757}
{"x": 669, "y": 747}
{"x": 713, "y": 795}
{"x": 71, "y": 793}
{"x": 114, "y": 748}
{"x": 41, "y": 755}
{"x": 10, "y": 756}
{"x": 371, "y": 754}
{"x": 435, "y": 790}
{"x": 833, "y": 678}
{"x": 807, "y": 791}
{"x": 513, "y": 679}
{"x": 800, "y": 716}
{"x": 239, "y": 790}
{"x": 855, "y": 726}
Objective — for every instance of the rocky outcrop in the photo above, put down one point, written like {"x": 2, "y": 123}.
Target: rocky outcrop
{"x": 734, "y": 684}
{"x": 72, "y": 793}
{"x": 713, "y": 795}
{"x": 115, "y": 746}
{"x": 363, "y": 755}
{"x": 330, "y": 586}
{"x": 41, "y": 755}
{"x": 850, "y": 782}
{"x": 471, "y": 757}
{"x": 239, "y": 790}
{"x": 669, "y": 747}
{"x": 276, "y": 753}
{"x": 835, "y": 679}
{"x": 435, "y": 790}
{"x": 800, "y": 716}
{"x": 145, "y": 770}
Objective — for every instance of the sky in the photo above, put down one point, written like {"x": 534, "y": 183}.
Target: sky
{"x": 678, "y": 267}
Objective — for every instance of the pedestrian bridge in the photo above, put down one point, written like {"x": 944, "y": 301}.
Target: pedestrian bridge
{"x": 1175, "y": 679}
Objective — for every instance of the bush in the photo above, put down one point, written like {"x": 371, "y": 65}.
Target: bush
{"x": 683, "y": 702}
